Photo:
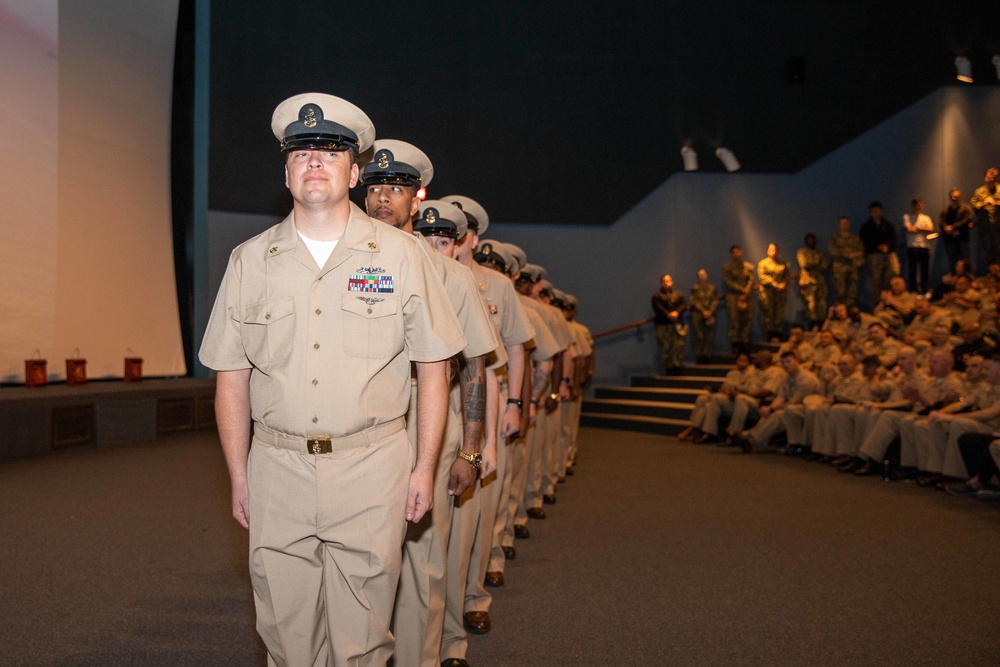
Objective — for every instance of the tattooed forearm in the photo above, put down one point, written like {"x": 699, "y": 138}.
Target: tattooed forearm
{"x": 473, "y": 377}
{"x": 540, "y": 379}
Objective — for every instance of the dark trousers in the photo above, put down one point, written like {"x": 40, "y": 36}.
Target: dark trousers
{"x": 975, "y": 448}
{"x": 956, "y": 249}
{"x": 918, "y": 260}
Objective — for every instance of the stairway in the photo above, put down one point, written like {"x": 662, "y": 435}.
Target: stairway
{"x": 654, "y": 403}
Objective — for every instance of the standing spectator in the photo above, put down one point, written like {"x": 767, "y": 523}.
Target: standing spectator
{"x": 704, "y": 302}
{"x": 918, "y": 255}
{"x": 813, "y": 264}
{"x": 669, "y": 306}
{"x": 879, "y": 238}
{"x": 847, "y": 255}
{"x": 773, "y": 274}
{"x": 955, "y": 221}
{"x": 984, "y": 200}
{"x": 738, "y": 277}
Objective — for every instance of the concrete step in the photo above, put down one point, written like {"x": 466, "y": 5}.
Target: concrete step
{"x": 659, "y": 425}
{"x": 677, "y": 381}
{"x": 660, "y": 409}
{"x": 650, "y": 394}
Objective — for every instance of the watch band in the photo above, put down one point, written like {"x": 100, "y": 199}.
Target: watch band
{"x": 515, "y": 401}
{"x": 475, "y": 459}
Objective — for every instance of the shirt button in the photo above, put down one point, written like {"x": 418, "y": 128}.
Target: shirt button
{"x": 318, "y": 311}
{"x": 315, "y": 382}
{"x": 315, "y": 419}
{"x": 268, "y": 316}
{"x": 315, "y": 346}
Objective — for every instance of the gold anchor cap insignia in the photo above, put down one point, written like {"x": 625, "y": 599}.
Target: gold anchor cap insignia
{"x": 273, "y": 249}
{"x": 431, "y": 216}
{"x": 310, "y": 117}
{"x": 383, "y": 159}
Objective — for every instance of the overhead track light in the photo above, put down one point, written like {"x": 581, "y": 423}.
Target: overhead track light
{"x": 690, "y": 158}
{"x": 964, "y": 68}
{"x": 729, "y": 160}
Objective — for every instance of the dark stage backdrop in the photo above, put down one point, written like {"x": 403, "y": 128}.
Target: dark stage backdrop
{"x": 572, "y": 112}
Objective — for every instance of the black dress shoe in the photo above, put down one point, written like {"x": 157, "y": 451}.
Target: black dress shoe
{"x": 869, "y": 468}
{"x": 510, "y": 553}
{"x": 569, "y": 471}
{"x": 702, "y": 438}
{"x": 477, "y": 622}
{"x": 536, "y": 513}
{"x": 494, "y": 579}
{"x": 548, "y": 499}
{"x": 561, "y": 480}
{"x": 521, "y": 532}
{"x": 454, "y": 662}
{"x": 851, "y": 465}
{"x": 743, "y": 442}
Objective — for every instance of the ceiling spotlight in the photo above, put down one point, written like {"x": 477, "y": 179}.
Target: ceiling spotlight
{"x": 729, "y": 160}
{"x": 996, "y": 63}
{"x": 690, "y": 158}
{"x": 964, "y": 67}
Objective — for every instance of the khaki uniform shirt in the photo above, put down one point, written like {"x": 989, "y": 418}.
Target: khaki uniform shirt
{"x": 796, "y": 387}
{"x": 584, "y": 343}
{"x": 921, "y": 327}
{"x": 853, "y": 389}
{"x": 500, "y": 300}
{"x": 988, "y": 396}
{"x": 553, "y": 319}
{"x": 769, "y": 379}
{"x": 329, "y": 349}
{"x": 543, "y": 346}
{"x": 942, "y": 391}
{"x": 741, "y": 381}
{"x": 887, "y": 352}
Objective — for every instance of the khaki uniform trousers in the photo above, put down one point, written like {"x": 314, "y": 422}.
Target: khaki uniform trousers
{"x": 847, "y": 424}
{"x": 477, "y": 598}
{"x": 576, "y": 408}
{"x": 505, "y": 508}
{"x": 558, "y": 442}
{"x": 936, "y": 445}
{"x": 880, "y": 434}
{"x": 519, "y": 456}
{"x": 325, "y": 549}
{"x": 465, "y": 522}
{"x": 536, "y": 461}
{"x": 744, "y": 406}
{"x": 817, "y": 434}
{"x": 419, "y": 614}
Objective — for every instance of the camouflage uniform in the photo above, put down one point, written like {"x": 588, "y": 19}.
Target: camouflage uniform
{"x": 738, "y": 276}
{"x": 812, "y": 283}
{"x": 845, "y": 267}
{"x": 704, "y": 296}
{"x": 772, "y": 272}
{"x": 987, "y": 219}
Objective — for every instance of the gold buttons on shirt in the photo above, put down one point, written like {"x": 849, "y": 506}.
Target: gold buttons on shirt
{"x": 318, "y": 311}
{"x": 267, "y": 316}
{"x": 315, "y": 346}
{"x": 369, "y": 311}
{"x": 315, "y": 382}
{"x": 315, "y": 419}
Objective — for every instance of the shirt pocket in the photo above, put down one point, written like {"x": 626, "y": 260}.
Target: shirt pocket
{"x": 267, "y": 329}
{"x": 373, "y": 325}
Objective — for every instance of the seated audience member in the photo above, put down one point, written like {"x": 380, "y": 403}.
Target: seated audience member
{"x": 825, "y": 353}
{"x": 940, "y": 340}
{"x": 797, "y": 343}
{"x": 906, "y": 378}
{"x": 763, "y": 387}
{"x": 881, "y": 345}
{"x": 708, "y": 408}
{"x": 896, "y": 305}
{"x": 972, "y": 343}
{"x": 962, "y": 303}
{"x": 925, "y": 317}
{"x": 859, "y": 324}
{"x": 848, "y": 416}
{"x": 938, "y": 456}
{"x": 981, "y": 454}
{"x": 962, "y": 267}
{"x": 847, "y": 386}
{"x": 838, "y": 322}
{"x": 798, "y": 384}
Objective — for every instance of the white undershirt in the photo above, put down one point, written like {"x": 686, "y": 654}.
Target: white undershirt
{"x": 320, "y": 250}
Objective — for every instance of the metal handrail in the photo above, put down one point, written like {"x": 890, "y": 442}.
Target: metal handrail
{"x": 633, "y": 325}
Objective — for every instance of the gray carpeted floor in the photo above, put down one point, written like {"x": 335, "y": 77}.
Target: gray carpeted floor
{"x": 657, "y": 553}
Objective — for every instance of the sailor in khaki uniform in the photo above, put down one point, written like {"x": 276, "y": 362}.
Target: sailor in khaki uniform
{"x": 391, "y": 179}
{"x": 313, "y": 331}
{"x": 500, "y": 299}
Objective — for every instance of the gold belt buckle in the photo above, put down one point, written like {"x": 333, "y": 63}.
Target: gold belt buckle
{"x": 319, "y": 445}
